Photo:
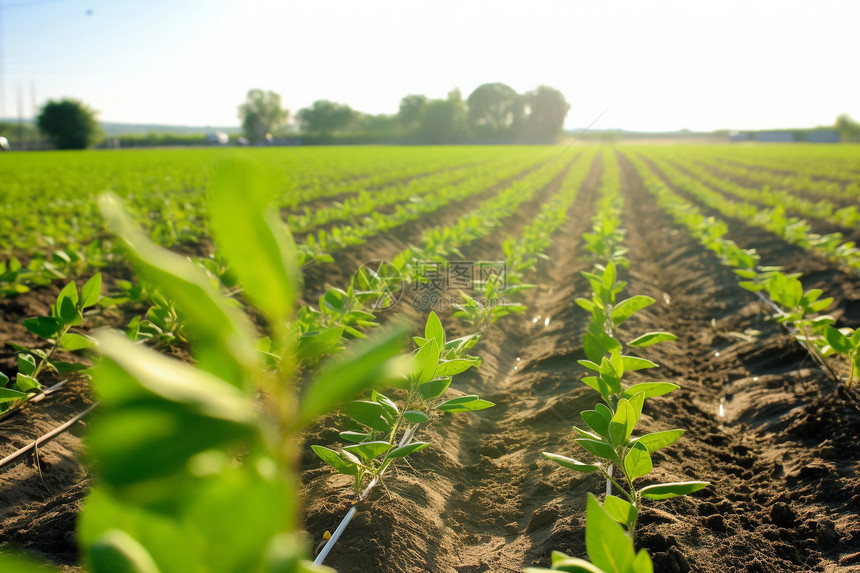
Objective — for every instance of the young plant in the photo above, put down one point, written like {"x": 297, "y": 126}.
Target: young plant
{"x": 55, "y": 329}
{"x": 798, "y": 308}
{"x": 388, "y": 431}
{"x": 609, "y": 549}
{"x": 610, "y": 425}
{"x": 481, "y": 313}
{"x": 844, "y": 341}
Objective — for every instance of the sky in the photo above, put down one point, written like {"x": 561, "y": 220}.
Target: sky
{"x": 657, "y": 65}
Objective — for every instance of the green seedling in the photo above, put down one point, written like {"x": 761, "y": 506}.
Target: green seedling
{"x": 846, "y": 342}
{"x": 607, "y": 314}
{"x": 385, "y": 431}
{"x": 160, "y": 326}
{"x": 609, "y": 549}
{"x": 481, "y": 313}
{"x": 55, "y": 329}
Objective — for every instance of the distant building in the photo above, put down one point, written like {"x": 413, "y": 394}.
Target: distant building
{"x": 774, "y": 136}
{"x": 823, "y": 136}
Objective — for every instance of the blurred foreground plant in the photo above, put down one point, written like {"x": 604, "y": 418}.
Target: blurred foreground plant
{"x": 196, "y": 472}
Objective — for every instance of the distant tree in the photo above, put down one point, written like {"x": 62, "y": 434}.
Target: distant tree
{"x": 69, "y": 124}
{"x": 262, "y": 114}
{"x": 443, "y": 120}
{"x": 411, "y": 108}
{"x": 377, "y": 125}
{"x": 325, "y": 117}
{"x": 495, "y": 110}
{"x": 547, "y": 109}
{"x": 849, "y": 130}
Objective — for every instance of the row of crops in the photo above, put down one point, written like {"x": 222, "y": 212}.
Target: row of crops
{"x": 188, "y": 255}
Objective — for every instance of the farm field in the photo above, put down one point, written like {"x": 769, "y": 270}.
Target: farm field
{"x": 772, "y": 426}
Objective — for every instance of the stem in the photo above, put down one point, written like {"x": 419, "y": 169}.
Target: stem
{"x": 815, "y": 355}
{"x": 47, "y": 359}
{"x": 609, "y": 478}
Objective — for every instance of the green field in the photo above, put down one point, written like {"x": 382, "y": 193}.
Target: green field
{"x": 272, "y": 333}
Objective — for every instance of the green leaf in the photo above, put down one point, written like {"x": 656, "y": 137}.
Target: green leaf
{"x": 117, "y": 551}
{"x": 404, "y": 451}
{"x": 354, "y": 437}
{"x": 425, "y": 361}
{"x": 650, "y": 338}
{"x": 368, "y": 450}
{"x": 620, "y": 510}
{"x": 596, "y": 421}
{"x": 609, "y": 275}
{"x": 334, "y": 460}
{"x": 622, "y": 423}
{"x": 667, "y": 490}
{"x": 840, "y": 343}
{"x": 253, "y": 238}
{"x": 464, "y": 404}
{"x": 68, "y": 367}
{"x": 26, "y": 364}
{"x": 66, "y": 307}
{"x": 626, "y": 308}
{"x": 416, "y": 417}
{"x": 8, "y": 395}
{"x": 452, "y": 367}
{"x": 649, "y": 389}
{"x": 365, "y": 363}
{"x": 434, "y": 388}
{"x": 468, "y": 403}
{"x": 635, "y": 363}
{"x": 433, "y": 329}
{"x": 599, "y": 449}
{"x": 27, "y": 383}
{"x": 637, "y": 462}
{"x": 608, "y": 545}
{"x": 91, "y": 292}
{"x": 221, "y": 334}
{"x": 71, "y": 341}
{"x": 570, "y": 463}
{"x": 43, "y": 326}
{"x": 657, "y": 440}
{"x": 642, "y": 563}
{"x": 368, "y": 413}
{"x": 156, "y": 412}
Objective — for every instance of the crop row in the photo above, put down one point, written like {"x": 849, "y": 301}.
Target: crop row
{"x": 792, "y": 229}
{"x": 847, "y": 217}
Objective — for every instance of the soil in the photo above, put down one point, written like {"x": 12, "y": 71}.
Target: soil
{"x": 776, "y": 437}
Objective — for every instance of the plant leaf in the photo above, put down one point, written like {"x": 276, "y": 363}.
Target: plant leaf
{"x": 570, "y": 463}
{"x": 637, "y": 462}
{"x": 626, "y": 308}
{"x": 650, "y": 338}
{"x": 675, "y": 489}
{"x": 468, "y": 403}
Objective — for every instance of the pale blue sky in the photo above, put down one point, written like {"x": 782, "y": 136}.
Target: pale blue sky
{"x": 658, "y": 65}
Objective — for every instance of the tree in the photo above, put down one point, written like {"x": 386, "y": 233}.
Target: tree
{"x": 495, "y": 110}
{"x": 69, "y": 124}
{"x": 325, "y": 117}
{"x": 262, "y": 114}
{"x": 443, "y": 120}
{"x": 411, "y": 108}
{"x": 849, "y": 130}
{"x": 547, "y": 110}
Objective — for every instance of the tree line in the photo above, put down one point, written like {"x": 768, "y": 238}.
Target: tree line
{"x": 493, "y": 112}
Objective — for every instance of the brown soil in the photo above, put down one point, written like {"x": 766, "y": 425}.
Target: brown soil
{"x": 774, "y": 435}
